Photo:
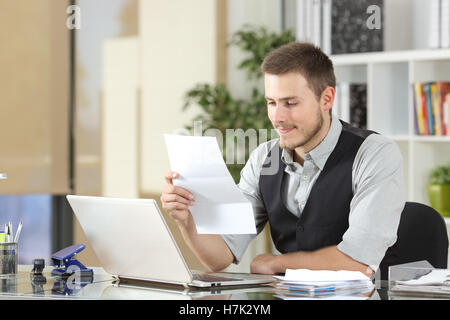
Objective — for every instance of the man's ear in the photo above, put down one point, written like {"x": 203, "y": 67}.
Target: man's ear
{"x": 327, "y": 98}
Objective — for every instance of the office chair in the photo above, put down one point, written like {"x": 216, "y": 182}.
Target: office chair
{"x": 421, "y": 235}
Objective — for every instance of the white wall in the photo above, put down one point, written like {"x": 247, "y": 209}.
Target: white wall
{"x": 119, "y": 121}
{"x": 177, "y": 42}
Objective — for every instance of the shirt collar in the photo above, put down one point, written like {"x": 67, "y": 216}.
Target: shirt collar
{"x": 320, "y": 153}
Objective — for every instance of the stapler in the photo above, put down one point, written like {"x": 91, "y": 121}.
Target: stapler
{"x": 66, "y": 265}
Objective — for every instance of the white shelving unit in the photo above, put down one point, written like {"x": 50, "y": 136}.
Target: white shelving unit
{"x": 389, "y": 76}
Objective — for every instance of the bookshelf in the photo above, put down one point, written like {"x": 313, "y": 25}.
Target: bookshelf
{"x": 389, "y": 76}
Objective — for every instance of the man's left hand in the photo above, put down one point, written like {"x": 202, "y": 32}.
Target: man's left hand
{"x": 266, "y": 264}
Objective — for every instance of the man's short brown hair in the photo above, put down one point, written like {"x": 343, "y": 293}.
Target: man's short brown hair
{"x": 305, "y": 58}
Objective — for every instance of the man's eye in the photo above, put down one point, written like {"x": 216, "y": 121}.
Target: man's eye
{"x": 292, "y": 104}
{"x": 271, "y": 103}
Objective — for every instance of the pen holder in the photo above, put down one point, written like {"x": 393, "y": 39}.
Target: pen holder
{"x": 8, "y": 259}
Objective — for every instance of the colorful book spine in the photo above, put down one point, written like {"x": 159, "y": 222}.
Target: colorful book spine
{"x": 424, "y": 112}
{"x": 443, "y": 90}
{"x": 420, "y": 109}
{"x": 435, "y": 103}
{"x": 432, "y": 108}
{"x": 429, "y": 108}
{"x": 447, "y": 113}
{"x": 417, "y": 105}
{"x": 416, "y": 116}
{"x": 440, "y": 99}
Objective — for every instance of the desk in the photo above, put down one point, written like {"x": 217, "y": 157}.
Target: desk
{"x": 104, "y": 286}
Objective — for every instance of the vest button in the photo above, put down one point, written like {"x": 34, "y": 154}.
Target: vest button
{"x": 301, "y": 228}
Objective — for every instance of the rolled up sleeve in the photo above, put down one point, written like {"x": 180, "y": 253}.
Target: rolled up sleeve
{"x": 378, "y": 201}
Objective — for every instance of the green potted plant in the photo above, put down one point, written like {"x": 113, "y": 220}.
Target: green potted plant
{"x": 439, "y": 189}
{"x": 220, "y": 110}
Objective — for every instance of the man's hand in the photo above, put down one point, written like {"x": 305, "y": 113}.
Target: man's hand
{"x": 175, "y": 200}
{"x": 210, "y": 249}
{"x": 327, "y": 258}
{"x": 265, "y": 263}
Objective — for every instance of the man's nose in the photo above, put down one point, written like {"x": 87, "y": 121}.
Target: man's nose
{"x": 280, "y": 114}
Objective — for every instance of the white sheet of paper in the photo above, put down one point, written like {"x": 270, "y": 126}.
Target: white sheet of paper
{"x": 435, "y": 277}
{"x": 331, "y": 297}
{"x": 317, "y": 276}
{"x": 219, "y": 208}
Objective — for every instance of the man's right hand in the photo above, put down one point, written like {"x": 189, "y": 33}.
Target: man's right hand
{"x": 210, "y": 249}
{"x": 175, "y": 200}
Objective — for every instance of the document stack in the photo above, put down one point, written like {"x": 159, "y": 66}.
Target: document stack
{"x": 323, "y": 284}
{"x": 423, "y": 282}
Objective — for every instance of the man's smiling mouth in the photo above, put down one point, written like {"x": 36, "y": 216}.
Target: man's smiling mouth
{"x": 285, "y": 130}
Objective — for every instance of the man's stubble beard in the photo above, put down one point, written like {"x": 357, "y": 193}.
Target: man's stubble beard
{"x": 306, "y": 136}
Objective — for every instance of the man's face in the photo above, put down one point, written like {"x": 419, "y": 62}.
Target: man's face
{"x": 293, "y": 109}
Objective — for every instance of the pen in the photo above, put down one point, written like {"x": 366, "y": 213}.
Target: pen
{"x": 2, "y": 251}
{"x": 11, "y": 238}
{"x": 19, "y": 228}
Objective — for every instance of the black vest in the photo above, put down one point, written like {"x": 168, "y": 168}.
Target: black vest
{"x": 324, "y": 218}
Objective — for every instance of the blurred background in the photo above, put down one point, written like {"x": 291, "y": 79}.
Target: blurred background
{"x": 89, "y": 87}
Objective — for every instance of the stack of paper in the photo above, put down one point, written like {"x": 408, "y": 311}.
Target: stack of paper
{"x": 304, "y": 283}
{"x": 435, "y": 283}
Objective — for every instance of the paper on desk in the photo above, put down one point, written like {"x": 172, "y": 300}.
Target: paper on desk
{"x": 323, "y": 284}
{"x": 333, "y": 297}
{"x": 219, "y": 208}
{"x": 306, "y": 275}
{"x": 435, "y": 277}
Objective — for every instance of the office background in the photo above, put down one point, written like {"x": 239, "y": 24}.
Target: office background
{"x": 83, "y": 111}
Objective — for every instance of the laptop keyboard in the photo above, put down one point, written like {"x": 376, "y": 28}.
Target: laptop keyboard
{"x": 211, "y": 278}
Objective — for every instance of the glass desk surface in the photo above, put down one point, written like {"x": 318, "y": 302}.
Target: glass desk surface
{"x": 105, "y": 286}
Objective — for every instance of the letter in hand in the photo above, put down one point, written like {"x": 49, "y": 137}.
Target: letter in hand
{"x": 175, "y": 200}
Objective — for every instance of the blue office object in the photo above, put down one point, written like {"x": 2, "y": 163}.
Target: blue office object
{"x": 66, "y": 264}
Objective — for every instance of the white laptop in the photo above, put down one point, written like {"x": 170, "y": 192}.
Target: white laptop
{"x": 133, "y": 241}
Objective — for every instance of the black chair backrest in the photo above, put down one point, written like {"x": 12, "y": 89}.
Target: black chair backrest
{"x": 421, "y": 235}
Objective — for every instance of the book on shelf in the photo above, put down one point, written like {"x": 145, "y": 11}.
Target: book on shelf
{"x": 445, "y": 23}
{"x": 344, "y": 26}
{"x": 431, "y": 108}
{"x": 358, "y": 105}
{"x": 426, "y": 25}
{"x": 446, "y": 107}
{"x": 431, "y": 23}
{"x": 308, "y": 27}
{"x": 350, "y": 103}
{"x": 339, "y": 26}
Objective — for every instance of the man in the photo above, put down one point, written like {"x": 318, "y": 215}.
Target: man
{"x": 335, "y": 198}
